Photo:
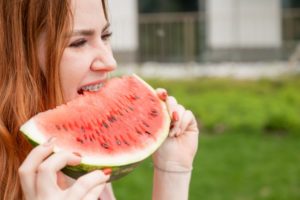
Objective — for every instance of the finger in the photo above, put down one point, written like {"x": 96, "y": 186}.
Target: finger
{"x": 187, "y": 123}
{"x": 162, "y": 93}
{"x": 94, "y": 193}
{"x": 171, "y": 104}
{"x": 179, "y": 110}
{"x": 27, "y": 170}
{"x": 63, "y": 181}
{"x": 47, "y": 171}
{"x": 87, "y": 182}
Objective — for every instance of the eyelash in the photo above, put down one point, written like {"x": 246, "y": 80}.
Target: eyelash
{"x": 106, "y": 36}
{"x": 81, "y": 42}
{"x": 78, "y": 43}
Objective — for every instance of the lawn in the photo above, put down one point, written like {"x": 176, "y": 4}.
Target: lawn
{"x": 249, "y": 148}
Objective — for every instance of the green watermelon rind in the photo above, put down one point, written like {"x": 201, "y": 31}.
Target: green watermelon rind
{"x": 81, "y": 169}
{"x": 119, "y": 169}
{"x": 117, "y": 172}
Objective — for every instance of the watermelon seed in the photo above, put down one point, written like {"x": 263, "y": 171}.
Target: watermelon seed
{"x": 105, "y": 145}
{"x": 126, "y": 142}
{"x": 118, "y": 142}
{"x": 57, "y": 127}
{"x": 70, "y": 126}
{"x": 76, "y": 124}
{"x": 97, "y": 132}
{"x": 138, "y": 132}
{"x": 82, "y": 129}
{"x": 154, "y": 113}
{"x": 147, "y": 125}
{"x": 130, "y": 108}
{"x": 79, "y": 140}
{"x": 64, "y": 126}
{"x": 111, "y": 119}
{"x": 148, "y": 133}
{"x": 134, "y": 97}
{"x": 105, "y": 124}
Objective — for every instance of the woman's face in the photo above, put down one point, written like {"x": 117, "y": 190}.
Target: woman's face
{"x": 88, "y": 59}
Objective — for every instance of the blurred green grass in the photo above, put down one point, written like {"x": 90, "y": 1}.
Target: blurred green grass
{"x": 225, "y": 105}
{"x": 249, "y": 143}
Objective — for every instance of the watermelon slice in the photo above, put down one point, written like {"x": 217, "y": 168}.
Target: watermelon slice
{"x": 117, "y": 127}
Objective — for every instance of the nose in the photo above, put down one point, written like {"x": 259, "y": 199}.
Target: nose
{"x": 103, "y": 59}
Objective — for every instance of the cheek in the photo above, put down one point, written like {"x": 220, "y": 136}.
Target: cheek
{"x": 73, "y": 69}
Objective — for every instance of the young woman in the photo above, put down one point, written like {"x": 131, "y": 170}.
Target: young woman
{"x": 49, "y": 50}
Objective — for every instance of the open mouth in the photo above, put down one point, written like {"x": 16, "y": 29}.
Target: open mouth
{"x": 90, "y": 88}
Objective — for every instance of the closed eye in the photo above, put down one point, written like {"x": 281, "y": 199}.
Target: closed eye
{"x": 106, "y": 36}
{"x": 78, "y": 43}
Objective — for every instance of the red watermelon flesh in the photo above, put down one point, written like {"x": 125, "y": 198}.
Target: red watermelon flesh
{"x": 116, "y": 127}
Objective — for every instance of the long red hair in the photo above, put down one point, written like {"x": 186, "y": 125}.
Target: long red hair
{"x": 24, "y": 89}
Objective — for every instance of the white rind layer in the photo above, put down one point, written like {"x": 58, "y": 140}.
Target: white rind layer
{"x": 33, "y": 133}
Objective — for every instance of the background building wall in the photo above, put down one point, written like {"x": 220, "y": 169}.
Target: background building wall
{"x": 216, "y": 30}
{"x": 124, "y": 20}
{"x": 243, "y": 23}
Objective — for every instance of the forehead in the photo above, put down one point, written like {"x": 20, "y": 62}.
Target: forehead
{"x": 88, "y": 14}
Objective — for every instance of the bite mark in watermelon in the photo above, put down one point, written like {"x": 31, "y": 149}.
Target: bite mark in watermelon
{"x": 116, "y": 127}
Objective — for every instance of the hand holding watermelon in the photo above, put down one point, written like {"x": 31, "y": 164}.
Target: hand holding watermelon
{"x": 115, "y": 128}
{"x": 38, "y": 176}
{"x": 177, "y": 152}
{"x": 143, "y": 111}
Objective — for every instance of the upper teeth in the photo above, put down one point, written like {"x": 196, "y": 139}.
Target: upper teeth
{"x": 92, "y": 88}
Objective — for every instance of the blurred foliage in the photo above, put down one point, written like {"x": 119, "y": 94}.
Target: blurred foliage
{"x": 226, "y": 105}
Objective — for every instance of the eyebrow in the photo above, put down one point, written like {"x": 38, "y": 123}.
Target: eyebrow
{"x": 88, "y": 32}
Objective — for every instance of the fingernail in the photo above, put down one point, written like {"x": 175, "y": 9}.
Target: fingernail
{"x": 107, "y": 171}
{"x": 77, "y": 154}
{"x": 175, "y": 116}
{"x": 49, "y": 142}
{"x": 164, "y": 95}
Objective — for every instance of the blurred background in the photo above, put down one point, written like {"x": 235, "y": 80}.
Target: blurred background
{"x": 235, "y": 64}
